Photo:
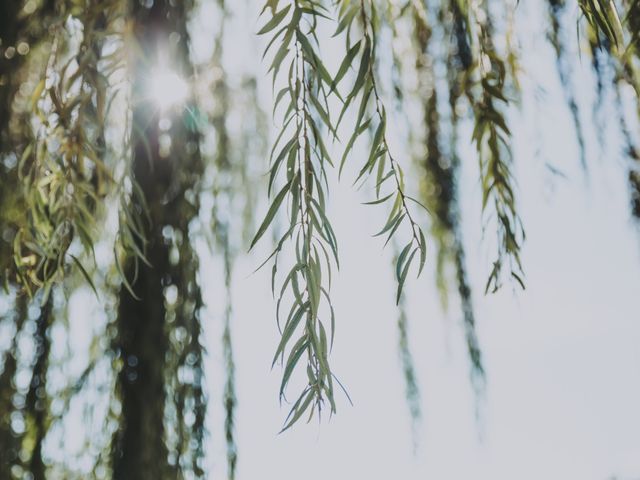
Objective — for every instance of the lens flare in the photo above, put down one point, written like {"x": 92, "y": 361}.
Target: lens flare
{"x": 168, "y": 89}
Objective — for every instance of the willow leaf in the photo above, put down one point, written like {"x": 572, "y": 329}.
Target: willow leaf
{"x": 346, "y": 63}
{"x": 403, "y": 275}
{"x": 275, "y": 20}
{"x": 270, "y": 214}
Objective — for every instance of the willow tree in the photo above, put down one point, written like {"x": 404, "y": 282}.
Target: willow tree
{"x": 114, "y": 139}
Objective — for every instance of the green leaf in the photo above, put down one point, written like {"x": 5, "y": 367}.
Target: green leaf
{"x": 376, "y": 147}
{"x": 313, "y": 281}
{"x": 324, "y": 115}
{"x": 273, "y": 40}
{"x": 84, "y": 273}
{"x": 272, "y": 4}
{"x": 349, "y": 146}
{"x": 333, "y": 318}
{"x": 275, "y": 20}
{"x": 423, "y": 251}
{"x": 403, "y": 275}
{"x": 346, "y": 19}
{"x": 390, "y": 223}
{"x": 125, "y": 281}
{"x": 400, "y": 260}
{"x": 393, "y": 230}
{"x": 518, "y": 279}
{"x": 312, "y": 58}
{"x": 315, "y": 13}
{"x": 276, "y": 163}
{"x": 289, "y": 329}
{"x": 278, "y": 58}
{"x": 380, "y": 200}
{"x": 346, "y": 63}
{"x": 294, "y": 356}
{"x": 299, "y": 408}
{"x": 418, "y": 202}
{"x": 279, "y": 97}
{"x": 270, "y": 214}
{"x": 381, "y": 166}
{"x": 364, "y": 68}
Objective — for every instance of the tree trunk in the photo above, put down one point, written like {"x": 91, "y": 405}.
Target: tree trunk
{"x": 37, "y": 402}
{"x": 140, "y": 449}
{"x": 10, "y": 440}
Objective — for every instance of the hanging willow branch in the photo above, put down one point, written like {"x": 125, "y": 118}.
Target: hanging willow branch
{"x": 229, "y": 395}
{"x": 412, "y": 390}
{"x": 492, "y": 138}
{"x": 307, "y": 88}
{"x": 363, "y": 15}
{"x": 227, "y": 172}
{"x": 617, "y": 34}
{"x": 62, "y": 170}
{"x": 613, "y": 30}
{"x": 556, "y": 10}
{"x": 441, "y": 169}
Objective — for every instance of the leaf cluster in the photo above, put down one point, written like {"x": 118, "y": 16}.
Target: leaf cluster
{"x": 301, "y": 152}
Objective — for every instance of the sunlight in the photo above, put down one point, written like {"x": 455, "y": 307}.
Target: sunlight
{"x": 168, "y": 89}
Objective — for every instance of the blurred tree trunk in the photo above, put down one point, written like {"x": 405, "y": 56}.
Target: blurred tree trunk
{"x": 10, "y": 440}
{"x": 140, "y": 450}
{"x": 164, "y": 175}
{"x": 37, "y": 401}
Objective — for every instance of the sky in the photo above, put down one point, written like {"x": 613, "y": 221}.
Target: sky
{"x": 562, "y": 357}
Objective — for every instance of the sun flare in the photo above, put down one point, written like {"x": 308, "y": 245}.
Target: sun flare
{"x": 168, "y": 89}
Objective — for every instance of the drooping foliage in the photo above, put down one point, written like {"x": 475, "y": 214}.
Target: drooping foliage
{"x": 102, "y": 189}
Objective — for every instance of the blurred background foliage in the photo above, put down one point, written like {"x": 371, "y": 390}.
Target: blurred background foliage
{"x": 106, "y": 185}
